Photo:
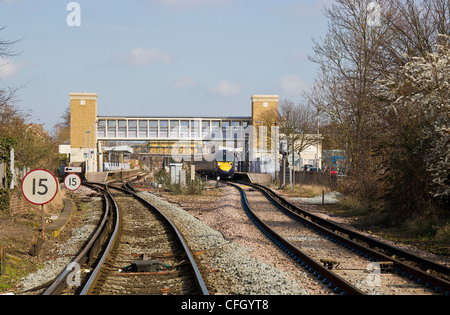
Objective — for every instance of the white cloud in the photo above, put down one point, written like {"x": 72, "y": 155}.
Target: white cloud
{"x": 226, "y": 89}
{"x": 292, "y": 84}
{"x": 184, "y": 82}
{"x": 143, "y": 57}
{"x": 9, "y": 69}
{"x": 191, "y": 4}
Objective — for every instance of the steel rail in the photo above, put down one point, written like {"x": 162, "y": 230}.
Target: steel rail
{"x": 89, "y": 285}
{"x": 438, "y": 284}
{"x": 91, "y": 250}
{"x": 194, "y": 268}
{"x": 88, "y": 253}
{"x": 427, "y": 264}
{"x": 334, "y": 282}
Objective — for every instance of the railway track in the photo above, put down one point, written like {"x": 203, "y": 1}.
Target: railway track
{"x": 136, "y": 251}
{"x": 346, "y": 266}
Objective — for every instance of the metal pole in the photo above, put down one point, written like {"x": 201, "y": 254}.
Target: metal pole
{"x": 293, "y": 167}
{"x": 43, "y": 220}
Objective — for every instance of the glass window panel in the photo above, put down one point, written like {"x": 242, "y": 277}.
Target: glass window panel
{"x": 132, "y": 128}
{"x": 112, "y": 128}
{"x": 122, "y": 128}
{"x": 174, "y": 128}
{"x": 206, "y": 129}
{"x": 153, "y": 128}
{"x": 225, "y": 129}
{"x": 101, "y": 132}
{"x": 195, "y": 129}
{"x": 164, "y": 128}
{"x": 215, "y": 132}
{"x": 143, "y": 128}
{"x": 184, "y": 129}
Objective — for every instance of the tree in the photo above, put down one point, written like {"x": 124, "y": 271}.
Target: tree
{"x": 425, "y": 95}
{"x": 348, "y": 58}
{"x": 62, "y": 129}
{"x": 382, "y": 89}
{"x": 298, "y": 125}
{"x": 33, "y": 147}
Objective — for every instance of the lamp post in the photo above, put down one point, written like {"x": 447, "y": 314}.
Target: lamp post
{"x": 293, "y": 167}
{"x": 260, "y": 143}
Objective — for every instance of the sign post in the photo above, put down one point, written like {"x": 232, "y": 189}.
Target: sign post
{"x": 39, "y": 187}
{"x": 72, "y": 182}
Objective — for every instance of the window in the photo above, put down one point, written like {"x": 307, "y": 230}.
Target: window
{"x": 101, "y": 132}
{"x": 153, "y": 128}
{"x": 184, "y": 129}
{"x": 122, "y": 128}
{"x": 142, "y": 128}
{"x": 195, "y": 129}
{"x": 226, "y": 130}
{"x": 174, "y": 128}
{"x": 236, "y": 129}
{"x": 164, "y": 128}
{"x": 206, "y": 130}
{"x": 132, "y": 128}
{"x": 112, "y": 128}
{"x": 215, "y": 132}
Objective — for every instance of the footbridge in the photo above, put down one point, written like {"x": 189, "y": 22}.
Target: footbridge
{"x": 99, "y": 141}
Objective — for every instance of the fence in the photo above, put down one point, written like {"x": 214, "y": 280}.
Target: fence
{"x": 332, "y": 182}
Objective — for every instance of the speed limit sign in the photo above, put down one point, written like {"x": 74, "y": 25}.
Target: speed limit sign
{"x": 72, "y": 182}
{"x": 39, "y": 187}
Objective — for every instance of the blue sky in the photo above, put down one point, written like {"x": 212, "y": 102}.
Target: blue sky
{"x": 159, "y": 57}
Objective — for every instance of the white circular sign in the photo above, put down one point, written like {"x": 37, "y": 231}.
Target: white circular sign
{"x": 39, "y": 187}
{"x": 72, "y": 182}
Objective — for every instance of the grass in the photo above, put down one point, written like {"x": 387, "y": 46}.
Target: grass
{"x": 306, "y": 191}
{"x": 13, "y": 273}
{"x": 429, "y": 232}
{"x": 353, "y": 206}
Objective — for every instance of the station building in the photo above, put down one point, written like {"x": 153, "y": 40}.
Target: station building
{"x": 102, "y": 142}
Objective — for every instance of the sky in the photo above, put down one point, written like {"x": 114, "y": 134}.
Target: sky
{"x": 158, "y": 57}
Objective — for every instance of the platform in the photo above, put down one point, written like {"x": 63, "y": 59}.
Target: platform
{"x": 101, "y": 177}
{"x": 254, "y": 178}
{"x": 56, "y": 226}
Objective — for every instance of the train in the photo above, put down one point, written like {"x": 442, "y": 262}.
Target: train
{"x": 223, "y": 165}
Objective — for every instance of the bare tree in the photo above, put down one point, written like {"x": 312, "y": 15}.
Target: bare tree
{"x": 298, "y": 125}
{"x": 62, "y": 128}
{"x": 8, "y": 96}
{"x": 6, "y": 46}
{"x": 368, "y": 91}
{"x": 348, "y": 58}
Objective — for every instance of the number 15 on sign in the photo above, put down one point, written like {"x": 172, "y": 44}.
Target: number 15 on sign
{"x": 72, "y": 182}
{"x": 40, "y": 187}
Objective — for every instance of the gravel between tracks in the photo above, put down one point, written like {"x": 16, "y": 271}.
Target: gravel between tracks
{"x": 237, "y": 258}
{"x": 245, "y": 262}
